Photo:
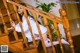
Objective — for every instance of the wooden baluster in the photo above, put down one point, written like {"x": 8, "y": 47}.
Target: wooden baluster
{"x": 58, "y": 34}
{"x": 50, "y": 36}
{"x": 67, "y": 28}
{"x": 28, "y": 22}
{"x": 5, "y": 27}
{"x": 23, "y": 34}
{"x": 37, "y": 24}
{"x": 5, "y": 4}
{"x": 0, "y": 32}
{"x": 63, "y": 22}
{"x": 0, "y": 26}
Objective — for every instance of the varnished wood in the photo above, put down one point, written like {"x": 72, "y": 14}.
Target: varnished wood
{"x": 5, "y": 27}
{"x": 44, "y": 14}
{"x": 10, "y": 14}
{"x": 23, "y": 34}
{"x": 37, "y": 24}
{"x": 5, "y": 4}
{"x": 0, "y": 32}
{"x": 57, "y": 19}
{"x": 29, "y": 26}
{"x": 18, "y": 43}
{"x": 16, "y": 47}
{"x": 50, "y": 36}
{"x": 58, "y": 34}
{"x": 67, "y": 29}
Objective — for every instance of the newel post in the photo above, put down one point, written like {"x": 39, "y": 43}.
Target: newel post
{"x": 64, "y": 18}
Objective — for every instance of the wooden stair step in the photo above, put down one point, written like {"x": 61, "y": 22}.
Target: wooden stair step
{"x": 37, "y": 43}
{"x": 5, "y": 37}
{"x": 18, "y": 44}
{"x": 15, "y": 48}
{"x": 3, "y": 34}
{"x": 12, "y": 42}
{"x": 31, "y": 50}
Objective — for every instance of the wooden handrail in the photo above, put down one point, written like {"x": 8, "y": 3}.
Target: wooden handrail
{"x": 43, "y": 12}
{"x": 47, "y": 15}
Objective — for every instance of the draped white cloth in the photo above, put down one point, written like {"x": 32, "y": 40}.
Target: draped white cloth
{"x": 33, "y": 26}
{"x": 35, "y": 31}
{"x": 48, "y": 43}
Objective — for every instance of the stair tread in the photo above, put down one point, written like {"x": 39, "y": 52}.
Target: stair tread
{"x": 12, "y": 42}
{"x": 14, "y": 47}
{"x": 4, "y": 34}
{"x": 31, "y": 50}
{"x": 31, "y": 46}
{"x": 37, "y": 42}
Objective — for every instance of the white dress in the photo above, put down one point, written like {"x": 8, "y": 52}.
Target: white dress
{"x": 33, "y": 26}
{"x": 35, "y": 31}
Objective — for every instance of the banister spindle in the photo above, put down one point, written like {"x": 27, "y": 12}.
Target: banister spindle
{"x": 5, "y": 27}
{"x": 0, "y": 32}
{"x": 58, "y": 34}
{"x": 5, "y": 4}
{"x": 23, "y": 34}
{"x": 67, "y": 29}
{"x": 37, "y": 24}
{"x": 63, "y": 22}
{"x": 29, "y": 26}
{"x": 50, "y": 36}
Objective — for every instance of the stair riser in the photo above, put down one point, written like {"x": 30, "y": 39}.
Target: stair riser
{"x": 32, "y": 51}
{"x": 4, "y": 37}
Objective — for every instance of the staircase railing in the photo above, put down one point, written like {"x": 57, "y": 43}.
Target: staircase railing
{"x": 56, "y": 20}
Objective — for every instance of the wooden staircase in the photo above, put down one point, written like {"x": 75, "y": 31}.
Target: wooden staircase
{"x": 18, "y": 44}
{"x": 6, "y": 39}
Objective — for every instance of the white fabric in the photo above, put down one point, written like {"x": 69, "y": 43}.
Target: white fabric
{"x": 48, "y": 44}
{"x": 35, "y": 31}
{"x": 33, "y": 26}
